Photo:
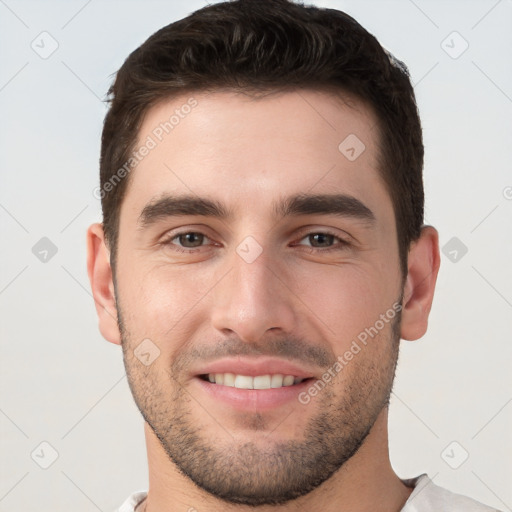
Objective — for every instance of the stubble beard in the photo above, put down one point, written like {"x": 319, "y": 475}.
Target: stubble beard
{"x": 244, "y": 473}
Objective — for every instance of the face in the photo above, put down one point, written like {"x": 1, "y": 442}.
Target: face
{"x": 253, "y": 252}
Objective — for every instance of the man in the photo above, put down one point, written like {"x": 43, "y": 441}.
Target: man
{"x": 261, "y": 256}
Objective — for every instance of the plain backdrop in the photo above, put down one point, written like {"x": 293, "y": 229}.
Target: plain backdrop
{"x": 64, "y": 386}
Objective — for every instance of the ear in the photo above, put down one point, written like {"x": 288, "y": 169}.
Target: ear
{"x": 102, "y": 285}
{"x": 423, "y": 266}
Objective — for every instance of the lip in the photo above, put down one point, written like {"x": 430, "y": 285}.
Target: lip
{"x": 251, "y": 399}
{"x": 254, "y": 367}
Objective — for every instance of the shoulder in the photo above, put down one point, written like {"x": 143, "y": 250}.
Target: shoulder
{"x": 132, "y": 501}
{"x": 429, "y": 497}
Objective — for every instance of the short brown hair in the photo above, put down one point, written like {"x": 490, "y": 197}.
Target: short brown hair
{"x": 269, "y": 45}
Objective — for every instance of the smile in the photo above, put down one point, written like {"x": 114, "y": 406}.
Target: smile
{"x": 252, "y": 382}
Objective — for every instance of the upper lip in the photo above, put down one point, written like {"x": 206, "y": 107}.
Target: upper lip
{"x": 254, "y": 367}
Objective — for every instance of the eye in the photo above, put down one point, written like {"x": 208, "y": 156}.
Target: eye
{"x": 191, "y": 239}
{"x": 323, "y": 242}
{"x": 185, "y": 240}
{"x": 323, "y": 239}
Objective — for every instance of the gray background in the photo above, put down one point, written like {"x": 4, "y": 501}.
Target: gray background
{"x": 62, "y": 384}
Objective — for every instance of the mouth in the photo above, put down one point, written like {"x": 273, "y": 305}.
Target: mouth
{"x": 260, "y": 382}
{"x": 251, "y": 384}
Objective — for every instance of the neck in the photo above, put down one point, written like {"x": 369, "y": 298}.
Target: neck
{"x": 365, "y": 483}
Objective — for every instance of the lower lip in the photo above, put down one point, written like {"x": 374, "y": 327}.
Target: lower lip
{"x": 253, "y": 399}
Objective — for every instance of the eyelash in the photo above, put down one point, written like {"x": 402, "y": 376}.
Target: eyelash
{"x": 342, "y": 244}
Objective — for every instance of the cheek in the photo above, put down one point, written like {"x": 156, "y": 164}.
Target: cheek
{"x": 346, "y": 299}
{"x": 158, "y": 299}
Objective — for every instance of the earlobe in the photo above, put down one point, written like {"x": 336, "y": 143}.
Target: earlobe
{"x": 102, "y": 285}
{"x": 423, "y": 266}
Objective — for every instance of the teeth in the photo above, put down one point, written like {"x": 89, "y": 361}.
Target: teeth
{"x": 242, "y": 382}
{"x": 276, "y": 381}
{"x": 258, "y": 382}
{"x": 288, "y": 380}
{"x": 261, "y": 382}
{"x": 229, "y": 379}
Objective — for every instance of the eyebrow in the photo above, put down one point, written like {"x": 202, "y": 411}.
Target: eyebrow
{"x": 172, "y": 206}
{"x": 340, "y": 205}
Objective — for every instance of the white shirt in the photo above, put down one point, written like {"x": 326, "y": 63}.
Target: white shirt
{"x": 426, "y": 497}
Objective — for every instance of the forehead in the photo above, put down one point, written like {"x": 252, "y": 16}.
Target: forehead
{"x": 247, "y": 152}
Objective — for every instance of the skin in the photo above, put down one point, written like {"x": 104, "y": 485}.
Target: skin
{"x": 289, "y": 303}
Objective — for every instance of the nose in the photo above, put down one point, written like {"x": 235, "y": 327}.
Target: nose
{"x": 254, "y": 298}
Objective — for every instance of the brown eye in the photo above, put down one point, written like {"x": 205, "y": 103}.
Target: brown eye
{"x": 322, "y": 242}
{"x": 322, "y": 239}
{"x": 190, "y": 240}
